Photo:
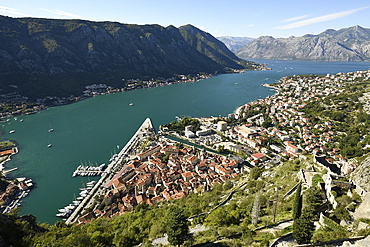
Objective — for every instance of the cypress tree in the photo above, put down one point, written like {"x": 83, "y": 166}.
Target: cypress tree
{"x": 303, "y": 228}
{"x": 256, "y": 209}
{"x": 297, "y": 205}
{"x": 177, "y": 228}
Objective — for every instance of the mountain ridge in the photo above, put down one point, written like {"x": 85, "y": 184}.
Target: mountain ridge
{"x": 235, "y": 43}
{"x": 42, "y": 57}
{"x": 346, "y": 44}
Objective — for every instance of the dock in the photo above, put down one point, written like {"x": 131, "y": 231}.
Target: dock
{"x": 106, "y": 176}
{"x": 10, "y": 170}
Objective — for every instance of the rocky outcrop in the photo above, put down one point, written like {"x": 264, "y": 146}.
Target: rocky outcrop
{"x": 360, "y": 177}
{"x": 363, "y": 211}
{"x": 360, "y": 243}
{"x": 60, "y": 57}
{"x": 348, "y": 44}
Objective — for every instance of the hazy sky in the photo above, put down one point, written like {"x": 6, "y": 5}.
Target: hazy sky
{"x": 278, "y": 18}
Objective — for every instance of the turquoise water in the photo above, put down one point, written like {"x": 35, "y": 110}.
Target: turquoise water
{"x": 89, "y": 131}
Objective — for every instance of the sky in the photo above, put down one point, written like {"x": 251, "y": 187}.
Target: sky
{"x": 241, "y": 18}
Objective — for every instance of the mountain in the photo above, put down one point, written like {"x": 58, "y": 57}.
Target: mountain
{"x": 235, "y": 43}
{"x": 49, "y": 57}
{"x": 347, "y": 44}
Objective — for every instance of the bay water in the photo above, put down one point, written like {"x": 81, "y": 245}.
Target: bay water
{"x": 91, "y": 131}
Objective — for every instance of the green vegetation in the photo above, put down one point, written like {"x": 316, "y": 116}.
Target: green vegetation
{"x": 179, "y": 127}
{"x": 297, "y": 205}
{"x": 6, "y": 145}
{"x": 176, "y": 226}
{"x": 316, "y": 179}
{"x": 348, "y": 118}
{"x": 330, "y": 231}
{"x": 303, "y": 227}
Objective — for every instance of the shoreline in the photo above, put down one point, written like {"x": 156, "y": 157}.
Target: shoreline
{"x": 276, "y": 89}
{"x": 103, "y": 89}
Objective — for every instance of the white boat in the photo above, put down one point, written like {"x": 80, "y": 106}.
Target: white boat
{"x": 49, "y": 145}
{"x": 91, "y": 182}
{"x": 83, "y": 193}
{"x": 131, "y": 104}
{"x": 51, "y": 129}
{"x": 12, "y": 131}
{"x": 63, "y": 210}
{"x": 70, "y": 207}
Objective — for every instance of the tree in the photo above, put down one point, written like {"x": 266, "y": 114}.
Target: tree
{"x": 256, "y": 209}
{"x": 255, "y": 173}
{"x": 313, "y": 201}
{"x": 176, "y": 227}
{"x": 275, "y": 204}
{"x": 303, "y": 228}
{"x": 297, "y": 205}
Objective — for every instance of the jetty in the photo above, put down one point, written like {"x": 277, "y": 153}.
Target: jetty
{"x": 7, "y": 171}
{"x": 89, "y": 170}
{"x": 115, "y": 162}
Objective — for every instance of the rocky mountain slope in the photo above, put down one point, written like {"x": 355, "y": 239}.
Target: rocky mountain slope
{"x": 40, "y": 57}
{"x": 235, "y": 43}
{"x": 361, "y": 175}
{"x": 347, "y": 44}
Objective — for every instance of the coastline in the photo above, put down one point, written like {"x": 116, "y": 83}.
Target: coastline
{"x": 102, "y": 89}
{"x": 239, "y": 108}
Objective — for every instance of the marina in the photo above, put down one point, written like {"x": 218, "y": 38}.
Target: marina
{"x": 116, "y": 163}
{"x": 83, "y": 170}
{"x": 69, "y": 209}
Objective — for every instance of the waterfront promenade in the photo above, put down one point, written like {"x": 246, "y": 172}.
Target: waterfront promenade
{"x": 115, "y": 163}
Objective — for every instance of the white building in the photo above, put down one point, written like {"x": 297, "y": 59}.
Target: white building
{"x": 221, "y": 126}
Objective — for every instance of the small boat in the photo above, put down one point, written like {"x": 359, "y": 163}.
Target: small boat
{"x": 61, "y": 215}
{"x": 12, "y": 131}
{"x": 51, "y": 129}
{"x": 131, "y": 104}
{"x": 49, "y": 145}
{"x": 21, "y": 120}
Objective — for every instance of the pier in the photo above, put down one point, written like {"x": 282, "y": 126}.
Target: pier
{"x": 116, "y": 161}
{"x": 7, "y": 171}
